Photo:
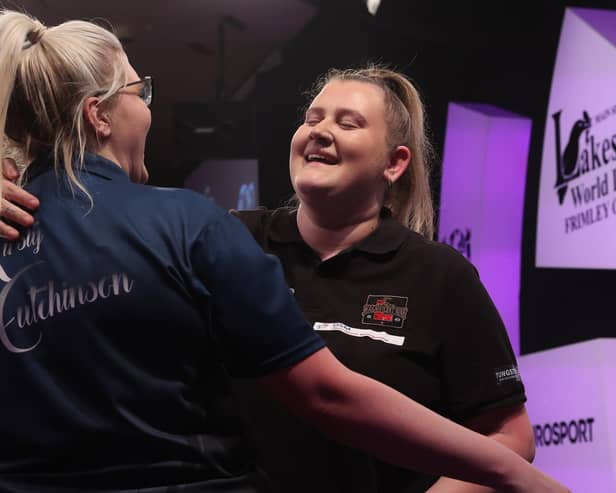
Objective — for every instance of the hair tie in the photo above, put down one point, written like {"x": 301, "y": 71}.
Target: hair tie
{"x": 34, "y": 36}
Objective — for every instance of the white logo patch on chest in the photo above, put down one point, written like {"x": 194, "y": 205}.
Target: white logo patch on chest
{"x": 377, "y": 335}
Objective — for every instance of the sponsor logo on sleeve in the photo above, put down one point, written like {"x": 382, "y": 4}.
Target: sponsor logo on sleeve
{"x": 507, "y": 375}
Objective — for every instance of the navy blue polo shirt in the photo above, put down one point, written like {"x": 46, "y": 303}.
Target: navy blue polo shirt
{"x": 119, "y": 323}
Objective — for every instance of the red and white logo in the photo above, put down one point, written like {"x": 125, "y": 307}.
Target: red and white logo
{"x": 385, "y": 310}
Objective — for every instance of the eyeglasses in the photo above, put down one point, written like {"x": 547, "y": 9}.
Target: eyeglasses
{"x": 146, "y": 92}
{"x": 147, "y": 89}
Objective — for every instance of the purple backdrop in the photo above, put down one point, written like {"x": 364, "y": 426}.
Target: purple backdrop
{"x": 482, "y": 198}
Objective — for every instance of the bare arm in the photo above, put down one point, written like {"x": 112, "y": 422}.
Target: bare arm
{"x": 14, "y": 202}
{"x": 363, "y": 413}
{"x": 509, "y": 426}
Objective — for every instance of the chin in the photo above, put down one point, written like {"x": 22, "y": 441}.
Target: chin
{"x": 311, "y": 190}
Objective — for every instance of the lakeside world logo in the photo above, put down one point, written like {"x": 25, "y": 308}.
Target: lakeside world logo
{"x": 588, "y": 153}
{"x": 576, "y": 213}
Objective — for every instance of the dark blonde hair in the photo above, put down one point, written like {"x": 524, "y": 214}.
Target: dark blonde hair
{"x": 46, "y": 75}
{"x": 409, "y": 199}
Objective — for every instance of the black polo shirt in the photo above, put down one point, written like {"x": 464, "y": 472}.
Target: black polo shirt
{"x": 409, "y": 312}
{"x": 119, "y": 324}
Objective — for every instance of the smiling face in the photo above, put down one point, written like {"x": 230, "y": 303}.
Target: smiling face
{"x": 340, "y": 150}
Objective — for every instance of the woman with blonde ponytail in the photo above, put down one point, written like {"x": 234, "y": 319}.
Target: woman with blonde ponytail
{"x": 124, "y": 308}
{"x": 392, "y": 304}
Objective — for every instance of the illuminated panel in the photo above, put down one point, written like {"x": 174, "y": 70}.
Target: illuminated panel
{"x": 576, "y": 221}
{"x": 482, "y": 199}
{"x": 572, "y": 407}
{"x": 231, "y": 183}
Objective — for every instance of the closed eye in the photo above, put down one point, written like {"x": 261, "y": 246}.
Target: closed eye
{"x": 311, "y": 121}
{"x": 347, "y": 125}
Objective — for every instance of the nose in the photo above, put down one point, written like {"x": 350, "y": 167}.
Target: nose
{"x": 321, "y": 133}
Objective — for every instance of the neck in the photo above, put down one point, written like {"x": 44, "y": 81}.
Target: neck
{"x": 328, "y": 233}
{"x": 106, "y": 151}
{"x": 110, "y": 156}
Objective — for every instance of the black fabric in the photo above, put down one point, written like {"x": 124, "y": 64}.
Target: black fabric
{"x": 119, "y": 323}
{"x": 394, "y": 284}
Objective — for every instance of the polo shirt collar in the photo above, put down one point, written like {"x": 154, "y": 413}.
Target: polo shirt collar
{"x": 100, "y": 166}
{"x": 93, "y": 164}
{"x": 388, "y": 237}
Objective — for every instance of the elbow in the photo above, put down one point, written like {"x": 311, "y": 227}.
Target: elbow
{"x": 523, "y": 443}
{"x": 322, "y": 407}
{"x": 526, "y": 442}
{"x": 530, "y": 449}
{"x": 316, "y": 390}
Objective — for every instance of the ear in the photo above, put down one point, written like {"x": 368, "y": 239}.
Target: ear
{"x": 399, "y": 160}
{"x": 97, "y": 117}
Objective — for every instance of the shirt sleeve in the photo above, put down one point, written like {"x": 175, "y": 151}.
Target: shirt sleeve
{"x": 256, "y": 322}
{"x": 479, "y": 369}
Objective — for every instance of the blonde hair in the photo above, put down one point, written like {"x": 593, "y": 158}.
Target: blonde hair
{"x": 409, "y": 199}
{"x": 46, "y": 75}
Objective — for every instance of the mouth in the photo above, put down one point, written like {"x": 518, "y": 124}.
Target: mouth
{"x": 321, "y": 158}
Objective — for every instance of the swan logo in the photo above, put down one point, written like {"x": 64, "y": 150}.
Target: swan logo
{"x": 567, "y": 163}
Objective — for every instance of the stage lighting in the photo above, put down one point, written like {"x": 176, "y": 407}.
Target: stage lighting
{"x": 373, "y": 6}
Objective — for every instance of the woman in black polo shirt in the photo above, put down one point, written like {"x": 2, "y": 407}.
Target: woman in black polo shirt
{"x": 390, "y": 303}
{"x": 123, "y": 308}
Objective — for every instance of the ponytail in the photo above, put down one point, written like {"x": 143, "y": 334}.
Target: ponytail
{"x": 46, "y": 75}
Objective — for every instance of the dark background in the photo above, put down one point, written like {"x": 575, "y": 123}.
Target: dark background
{"x": 500, "y": 53}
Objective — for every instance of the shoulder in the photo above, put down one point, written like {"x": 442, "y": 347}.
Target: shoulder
{"x": 171, "y": 212}
{"x": 438, "y": 257}
{"x": 173, "y": 201}
{"x": 252, "y": 216}
{"x": 261, "y": 215}
{"x": 259, "y": 221}
{"x": 166, "y": 193}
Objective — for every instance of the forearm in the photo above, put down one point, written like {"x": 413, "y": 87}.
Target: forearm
{"x": 383, "y": 426}
{"x": 365, "y": 414}
{"x": 518, "y": 442}
{"x": 448, "y": 485}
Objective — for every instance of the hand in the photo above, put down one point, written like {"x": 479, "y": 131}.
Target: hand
{"x": 14, "y": 200}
